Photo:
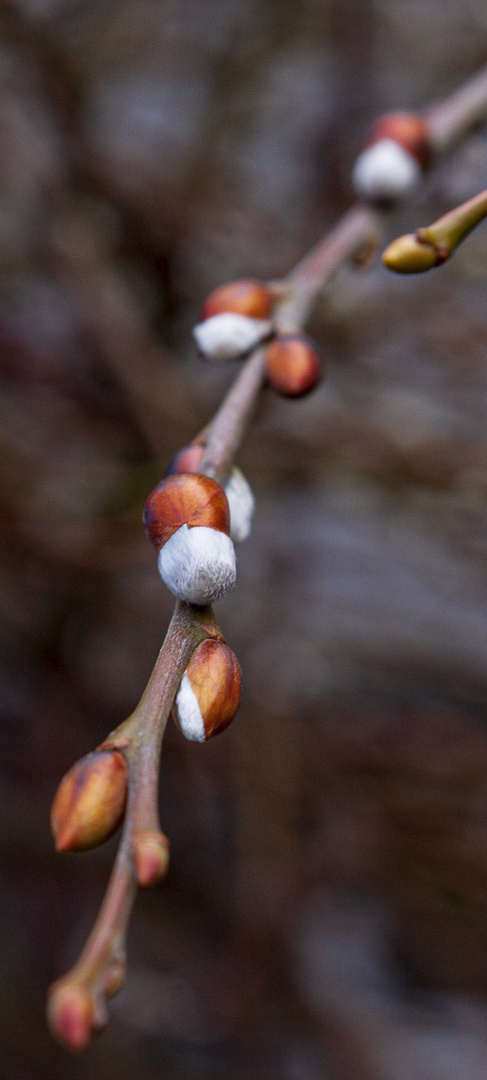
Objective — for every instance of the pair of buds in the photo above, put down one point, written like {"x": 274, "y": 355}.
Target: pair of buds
{"x": 397, "y": 151}
{"x": 89, "y": 805}
{"x": 236, "y": 318}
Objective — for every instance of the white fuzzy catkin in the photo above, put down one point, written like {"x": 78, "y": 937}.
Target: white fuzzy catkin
{"x": 385, "y": 170}
{"x": 189, "y": 716}
{"x": 241, "y": 503}
{"x": 198, "y": 565}
{"x": 228, "y": 335}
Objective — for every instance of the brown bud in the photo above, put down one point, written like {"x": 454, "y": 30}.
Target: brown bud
{"x": 245, "y": 297}
{"x": 89, "y": 803}
{"x": 210, "y": 691}
{"x": 412, "y": 132}
{"x": 71, "y": 1014}
{"x": 293, "y": 367}
{"x": 185, "y": 499}
{"x": 186, "y": 460}
{"x": 151, "y": 857}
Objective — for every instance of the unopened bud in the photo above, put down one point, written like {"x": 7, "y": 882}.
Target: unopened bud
{"x": 244, "y": 297}
{"x": 89, "y": 804}
{"x": 210, "y": 691}
{"x": 186, "y": 460}
{"x": 229, "y": 335}
{"x": 408, "y": 255}
{"x": 293, "y": 367}
{"x": 188, "y": 520}
{"x": 71, "y": 1013}
{"x": 151, "y": 857}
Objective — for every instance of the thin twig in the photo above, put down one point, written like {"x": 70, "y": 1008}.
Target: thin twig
{"x": 451, "y": 119}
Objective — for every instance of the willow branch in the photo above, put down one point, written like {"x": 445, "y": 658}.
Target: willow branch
{"x": 450, "y": 120}
{"x": 78, "y": 999}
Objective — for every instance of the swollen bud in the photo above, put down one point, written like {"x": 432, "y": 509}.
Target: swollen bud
{"x": 209, "y": 692}
{"x": 244, "y": 297}
{"x": 188, "y": 520}
{"x": 186, "y": 460}
{"x": 398, "y": 149}
{"x": 293, "y": 367}
{"x": 71, "y": 1014}
{"x": 230, "y": 335}
{"x": 151, "y": 857}
{"x": 89, "y": 804}
{"x": 408, "y": 255}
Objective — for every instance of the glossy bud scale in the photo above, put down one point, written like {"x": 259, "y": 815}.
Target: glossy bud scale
{"x": 89, "y": 803}
{"x": 185, "y": 499}
{"x": 244, "y": 297}
{"x": 293, "y": 367}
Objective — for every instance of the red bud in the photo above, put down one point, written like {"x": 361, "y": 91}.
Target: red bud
{"x": 245, "y": 297}
{"x": 293, "y": 367}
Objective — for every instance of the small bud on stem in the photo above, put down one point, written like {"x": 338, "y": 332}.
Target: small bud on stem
{"x": 433, "y": 245}
{"x": 151, "y": 857}
{"x": 243, "y": 297}
{"x": 293, "y": 367}
{"x": 71, "y": 1014}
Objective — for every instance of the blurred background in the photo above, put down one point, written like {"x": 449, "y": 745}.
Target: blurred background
{"x": 325, "y": 915}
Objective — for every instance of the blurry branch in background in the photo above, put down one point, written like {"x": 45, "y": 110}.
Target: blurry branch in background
{"x": 433, "y": 245}
{"x": 191, "y": 524}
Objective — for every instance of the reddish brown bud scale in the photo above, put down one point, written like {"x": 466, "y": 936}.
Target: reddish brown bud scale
{"x": 71, "y": 1015}
{"x": 412, "y": 132}
{"x": 293, "y": 367}
{"x": 244, "y": 297}
{"x": 89, "y": 804}
{"x": 185, "y": 499}
{"x": 186, "y": 460}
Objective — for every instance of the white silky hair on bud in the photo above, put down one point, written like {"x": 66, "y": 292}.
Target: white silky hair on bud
{"x": 228, "y": 335}
{"x": 198, "y": 565}
{"x": 189, "y": 716}
{"x": 241, "y": 503}
{"x": 385, "y": 170}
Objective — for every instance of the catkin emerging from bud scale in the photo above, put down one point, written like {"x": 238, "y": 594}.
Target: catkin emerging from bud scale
{"x": 188, "y": 520}
{"x": 210, "y": 691}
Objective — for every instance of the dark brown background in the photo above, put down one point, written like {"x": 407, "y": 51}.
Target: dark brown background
{"x": 325, "y": 914}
